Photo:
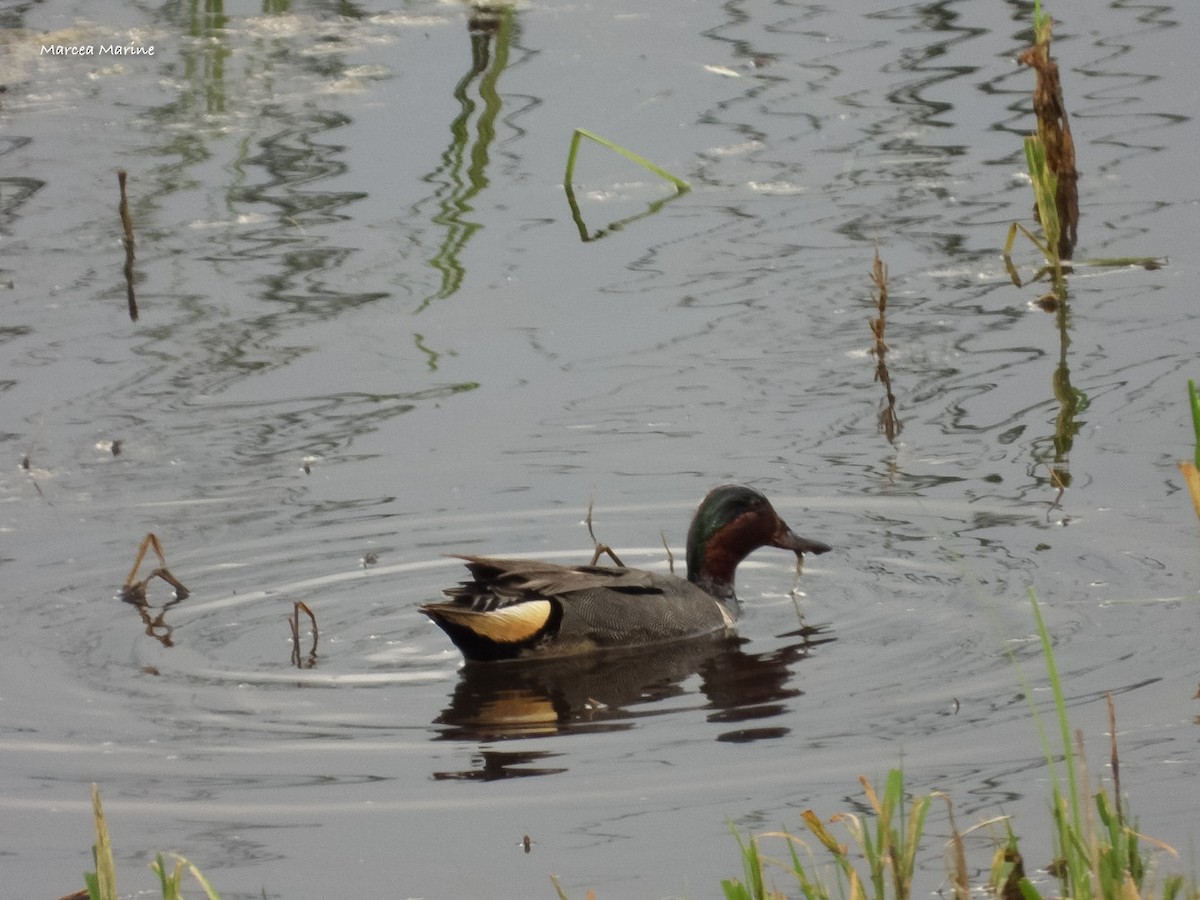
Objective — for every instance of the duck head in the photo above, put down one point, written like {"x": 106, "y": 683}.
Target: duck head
{"x": 732, "y": 522}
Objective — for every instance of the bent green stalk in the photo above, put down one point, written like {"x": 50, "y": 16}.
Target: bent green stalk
{"x": 680, "y": 185}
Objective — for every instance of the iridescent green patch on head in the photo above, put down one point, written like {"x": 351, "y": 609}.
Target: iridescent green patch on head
{"x": 722, "y": 505}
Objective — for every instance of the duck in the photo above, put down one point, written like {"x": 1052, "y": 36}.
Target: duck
{"x": 517, "y": 609}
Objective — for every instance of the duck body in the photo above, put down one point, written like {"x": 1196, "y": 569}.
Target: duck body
{"x": 519, "y": 609}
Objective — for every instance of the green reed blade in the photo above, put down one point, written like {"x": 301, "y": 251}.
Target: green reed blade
{"x": 1194, "y": 398}
{"x": 680, "y": 185}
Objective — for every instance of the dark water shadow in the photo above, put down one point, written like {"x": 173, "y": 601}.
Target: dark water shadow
{"x": 604, "y": 692}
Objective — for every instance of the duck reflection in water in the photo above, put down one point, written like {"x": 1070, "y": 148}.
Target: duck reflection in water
{"x": 611, "y": 690}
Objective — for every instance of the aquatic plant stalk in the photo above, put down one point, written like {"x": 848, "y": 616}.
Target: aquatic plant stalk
{"x": 585, "y": 235}
{"x": 101, "y": 884}
{"x": 889, "y": 423}
{"x": 1191, "y": 470}
{"x": 1194, "y": 401}
{"x": 172, "y": 885}
{"x": 680, "y": 185}
{"x": 1054, "y": 136}
{"x": 127, "y": 225}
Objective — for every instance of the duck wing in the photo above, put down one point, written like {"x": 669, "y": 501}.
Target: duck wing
{"x": 511, "y": 580}
{"x": 519, "y": 607}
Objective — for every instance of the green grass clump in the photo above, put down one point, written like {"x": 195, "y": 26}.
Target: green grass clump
{"x": 102, "y": 884}
{"x": 881, "y": 868}
{"x": 1098, "y": 853}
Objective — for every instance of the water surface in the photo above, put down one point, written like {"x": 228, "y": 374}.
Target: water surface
{"x": 369, "y": 334}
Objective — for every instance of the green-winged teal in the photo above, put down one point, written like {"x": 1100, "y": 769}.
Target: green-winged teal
{"x": 520, "y": 608}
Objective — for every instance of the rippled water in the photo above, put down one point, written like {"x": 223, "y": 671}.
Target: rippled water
{"x": 369, "y": 334}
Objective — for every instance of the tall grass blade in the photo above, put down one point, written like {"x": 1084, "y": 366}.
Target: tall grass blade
{"x": 1194, "y": 401}
{"x": 101, "y": 884}
{"x": 1060, "y": 706}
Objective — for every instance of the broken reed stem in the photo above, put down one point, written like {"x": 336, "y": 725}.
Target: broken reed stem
{"x": 126, "y": 219}
{"x": 150, "y": 541}
{"x": 135, "y": 591}
{"x": 959, "y": 874}
{"x": 888, "y": 422}
{"x": 599, "y": 549}
{"x": 294, "y": 622}
{"x": 127, "y": 224}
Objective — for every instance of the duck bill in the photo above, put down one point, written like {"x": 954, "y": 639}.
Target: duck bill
{"x": 786, "y": 539}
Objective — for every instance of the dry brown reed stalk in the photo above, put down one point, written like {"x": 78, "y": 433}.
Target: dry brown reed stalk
{"x": 1114, "y": 761}
{"x": 135, "y": 591}
{"x": 1054, "y": 130}
{"x": 599, "y": 548}
{"x": 127, "y": 224}
{"x": 889, "y": 424}
{"x": 299, "y": 661}
{"x": 957, "y": 855}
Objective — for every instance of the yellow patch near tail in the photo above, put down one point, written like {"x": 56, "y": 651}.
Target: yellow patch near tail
{"x": 508, "y": 625}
